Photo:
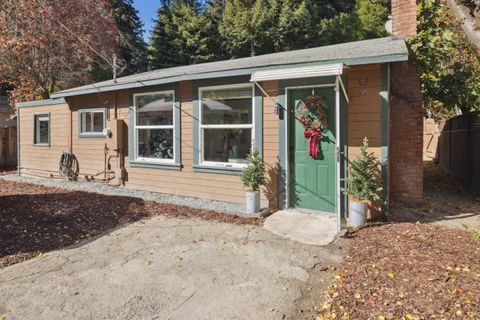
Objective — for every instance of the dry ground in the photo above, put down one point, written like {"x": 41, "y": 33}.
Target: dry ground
{"x": 36, "y": 219}
{"x": 445, "y": 199}
{"x": 82, "y": 265}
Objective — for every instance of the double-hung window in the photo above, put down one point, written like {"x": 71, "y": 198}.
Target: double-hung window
{"x": 226, "y": 125}
{"x": 154, "y": 126}
{"x": 92, "y": 122}
{"x": 41, "y": 135}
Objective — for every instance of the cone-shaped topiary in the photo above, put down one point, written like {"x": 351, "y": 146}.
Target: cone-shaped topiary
{"x": 364, "y": 179}
{"x": 254, "y": 175}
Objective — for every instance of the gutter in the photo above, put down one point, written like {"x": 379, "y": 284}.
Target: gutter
{"x": 462, "y": 13}
{"x": 40, "y": 103}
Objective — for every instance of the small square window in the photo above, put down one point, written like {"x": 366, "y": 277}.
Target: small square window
{"x": 92, "y": 122}
{"x": 41, "y": 129}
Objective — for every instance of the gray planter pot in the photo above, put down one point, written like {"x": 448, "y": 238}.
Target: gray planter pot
{"x": 253, "y": 202}
{"x": 357, "y": 213}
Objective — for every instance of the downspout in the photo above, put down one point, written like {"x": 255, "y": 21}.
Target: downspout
{"x": 18, "y": 142}
{"x": 71, "y": 129}
{"x": 115, "y": 115}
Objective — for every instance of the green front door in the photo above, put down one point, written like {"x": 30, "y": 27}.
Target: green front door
{"x": 312, "y": 181}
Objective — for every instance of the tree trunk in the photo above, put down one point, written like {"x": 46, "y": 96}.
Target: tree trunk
{"x": 467, "y": 22}
{"x": 45, "y": 93}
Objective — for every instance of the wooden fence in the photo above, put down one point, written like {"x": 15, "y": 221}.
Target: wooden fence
{"x": 431, "y": 132}
{"x": 8, "y": 146}
{"x": 458, "y": 150}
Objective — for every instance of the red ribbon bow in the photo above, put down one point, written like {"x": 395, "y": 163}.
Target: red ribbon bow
{"x": 313, "y": 135}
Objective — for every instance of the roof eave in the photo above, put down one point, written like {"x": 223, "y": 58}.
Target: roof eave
{"x": 226, "y": 73}
{"x": 40, "y": 103}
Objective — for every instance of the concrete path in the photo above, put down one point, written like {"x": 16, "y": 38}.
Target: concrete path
{"x": 468, "y": 221}
{"x": 165, "y": 269}
{"x": 308, "y": 228}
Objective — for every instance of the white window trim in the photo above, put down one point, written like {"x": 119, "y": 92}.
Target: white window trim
{"x": 36, "y": 134}
{"x": 95, "y": 134}
{"x": 202, "y": 126}
{"x": 136, "y": 128}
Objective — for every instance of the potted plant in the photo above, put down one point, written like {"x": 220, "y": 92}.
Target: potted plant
{"x": 362, "y": 185}
{"x": 253, "y": 177}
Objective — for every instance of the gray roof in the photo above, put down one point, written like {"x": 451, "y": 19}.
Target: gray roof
{"x": 359, "y": 52}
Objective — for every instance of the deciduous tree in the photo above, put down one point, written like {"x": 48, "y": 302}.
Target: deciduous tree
{"x": 448, "y": 65}
{"x": 46, "y": 45}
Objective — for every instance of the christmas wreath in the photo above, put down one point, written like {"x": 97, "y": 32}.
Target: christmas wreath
{"x": 312, "y": 113}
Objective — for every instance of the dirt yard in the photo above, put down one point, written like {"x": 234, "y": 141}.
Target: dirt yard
{"x": 161, "y": 267}
{"x": 36, "y": 219}
{"x": 445, "y": 201}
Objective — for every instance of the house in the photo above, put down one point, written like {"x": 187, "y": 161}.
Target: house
{"x": 187, "y": 130}
{"x": 8, "y": 134}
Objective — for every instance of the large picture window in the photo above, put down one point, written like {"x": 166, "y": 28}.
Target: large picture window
{"x": 92, "y": 122}
{"x": 41, "y": 135}
{"x": 154, "y": 126}
{"x": 226, "y": 125}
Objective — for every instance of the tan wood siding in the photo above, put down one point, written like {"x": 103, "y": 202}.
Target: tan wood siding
{"x": 270, "y": 145}
{"x": 43, "y": 160}
{"x": 89, "y": 151}
{"x": 186, "y": 182}
{"x": 364, "y": 119}
{"x": 364, "y": 113}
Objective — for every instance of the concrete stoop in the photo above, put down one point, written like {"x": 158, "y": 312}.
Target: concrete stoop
{"x": 317, "y": 229}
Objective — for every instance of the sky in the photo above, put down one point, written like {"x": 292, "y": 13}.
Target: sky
{"x": 147, "y": 10}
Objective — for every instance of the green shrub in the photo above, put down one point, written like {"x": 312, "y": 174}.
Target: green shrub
{"x": 254, "y": 175}
{"x": 364, "y": 179}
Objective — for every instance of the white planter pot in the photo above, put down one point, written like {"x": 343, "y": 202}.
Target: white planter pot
{"x": 357, "y": 213}
{"x": 253, "y": 202}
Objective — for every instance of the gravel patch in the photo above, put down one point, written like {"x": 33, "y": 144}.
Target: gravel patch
{"x": 127, "y": 192}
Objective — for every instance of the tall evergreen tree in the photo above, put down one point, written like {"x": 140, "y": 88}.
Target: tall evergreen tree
{"x": 133, "y": 48}
{"x": 192, "y": 38}
{"x": 366, "y": 21}
{"x": 184, "y": 34}
{"x": 215, "y": 10}
{"x": 253, "y": 27}
{"x": 187, "y": 32}
{"x": 162, "y": 51}
{"x": 244, "y": 26}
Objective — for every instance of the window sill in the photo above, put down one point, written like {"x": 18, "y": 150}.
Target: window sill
{"x": 44, "y": 145}
{"x": 219, "y": 170}
{"x": 93, "y": 135}
{"x": 155, "y": 165}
